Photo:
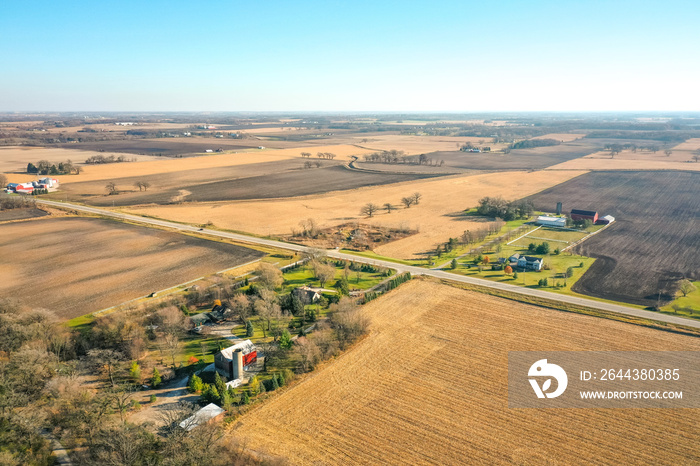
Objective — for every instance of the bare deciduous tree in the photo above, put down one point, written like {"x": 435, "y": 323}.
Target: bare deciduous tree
{"x": 369, "y": 209}
{"x": 111, "y": 188}
{"x": 407, "y": 201}
{"x": 323, "y": 272}
{"x": 269, "y": 276}
{"x": 388, "y": 207}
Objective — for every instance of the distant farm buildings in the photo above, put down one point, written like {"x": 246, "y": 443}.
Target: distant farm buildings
{"x": 232, "y": 361}
{"x": 306, "y": 294}
{"x": 28, "y": 188}
{"x": 606, "y": 220}
{"x": 556, "y": 222}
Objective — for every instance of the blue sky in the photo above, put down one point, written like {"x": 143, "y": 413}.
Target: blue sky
{"x": 262, "y": 55}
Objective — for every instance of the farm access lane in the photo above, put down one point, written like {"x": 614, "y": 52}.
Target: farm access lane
{"x": 616, "y": 308}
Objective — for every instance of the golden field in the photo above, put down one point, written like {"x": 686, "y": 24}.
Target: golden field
{"x": 16, "y": 158}
{"x": 428, "y": 385}
{"x": 162, "y": 165}
{"x": 414, "y": 145}
{"x": 624, "y": 161}
{"x": 437, "y": 217}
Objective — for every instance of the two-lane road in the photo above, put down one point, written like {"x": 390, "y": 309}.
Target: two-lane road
{"x": 616, "y": 308}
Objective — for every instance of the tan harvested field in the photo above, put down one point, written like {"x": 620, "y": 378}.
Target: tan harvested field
{"x": 160, "y": 165}
{"x": 689, "y": 145}
{"x": 603, "y": 163}
{"x": 75, "y": 266}
{"x": 645, "y": 156}
{"x": 563, "y": 137}
{"x": 413, "y": 145}
{"x": 16, "y": 158}
{"x": 429, "y": 386}
{"x": 438, "y": 216}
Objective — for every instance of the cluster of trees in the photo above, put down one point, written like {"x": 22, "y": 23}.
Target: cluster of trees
{"x": 542, "y": 248}
{"x": 468, "y": 146}
{"x": 320, "y": 155}
{"x": 41, "y": 385}
{"x": 8, "y": 202}
{"x": 308, "y": 164}
{"x": 532, "y": 143}
{"x": 99, "y": 158}
{"x": 142, "y": 185}
{"x": 500, "y": 208}
{"x": 371, "y": 208}
{"x": 398, "y": 156}
{"x": 44, "y": 167}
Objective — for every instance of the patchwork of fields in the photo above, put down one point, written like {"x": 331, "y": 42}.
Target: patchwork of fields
{"x": 429, "y": 386}
{"x": 654, "y": 241}
{"x": 520, "y": 159}
{"x": 438, "y": 216}
{"x": 74, "y": 266}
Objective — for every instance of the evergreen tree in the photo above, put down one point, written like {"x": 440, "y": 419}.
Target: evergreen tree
{"x": 210, "y": 394}
{"x": 297, "y": 307}
{"x": 31, "y": 168}
{"x": 219, "y": 383}
{"x": 286, "y": 340}
{"x": 249, "y": 329}
{"x": 275, "y": 384}
{"x": 245, "y": 399}
{"x": 226, "y": 400}
{"x": 231, "y": 393}
{"x": 280, "y": 379}
{"x": 156, "y": 378}
{"x": 195, "y": 385}
{"x": 453, "y": 264}
{"x": 342, "y": 286}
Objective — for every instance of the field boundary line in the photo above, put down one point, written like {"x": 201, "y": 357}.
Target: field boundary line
{"x": 523, "y": 236}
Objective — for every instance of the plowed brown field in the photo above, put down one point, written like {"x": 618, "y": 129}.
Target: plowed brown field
{"x": 429, "y": 386}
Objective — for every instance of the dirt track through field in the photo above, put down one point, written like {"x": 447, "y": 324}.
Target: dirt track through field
{"x": 429, "y": 386}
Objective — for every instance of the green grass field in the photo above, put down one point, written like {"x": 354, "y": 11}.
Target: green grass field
{"x": 357, "y": 280}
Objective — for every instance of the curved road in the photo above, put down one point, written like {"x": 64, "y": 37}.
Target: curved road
{"x": 616, "y": 308}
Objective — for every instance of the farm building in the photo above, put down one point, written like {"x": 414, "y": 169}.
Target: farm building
{"x": 210, "y": 413}
{"x": 556, "y": 222}
{"x": 306, "y": 295}
{"x": 591, "y": 215}
{"x": 605, "y": 220}
{"x": 232, "y": 361}
{"x": 24, "y": 188}
{"x": 530, "y": 263}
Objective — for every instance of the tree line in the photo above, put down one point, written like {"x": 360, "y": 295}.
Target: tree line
{"x": 371, "y": 208}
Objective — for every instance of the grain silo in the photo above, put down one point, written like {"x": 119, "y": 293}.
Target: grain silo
{"x": 238, "y": 363}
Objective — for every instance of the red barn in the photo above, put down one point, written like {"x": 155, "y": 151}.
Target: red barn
{"x": 584, "y": 215}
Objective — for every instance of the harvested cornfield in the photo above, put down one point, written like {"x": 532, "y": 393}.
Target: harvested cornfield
{"x": 429, "y": 386}
{"x": 75, "y": 266}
